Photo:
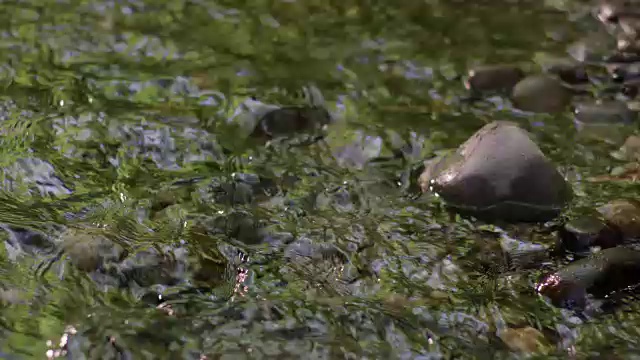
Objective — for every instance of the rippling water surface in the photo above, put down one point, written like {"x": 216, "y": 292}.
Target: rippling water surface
{"x": 142, "y": 222}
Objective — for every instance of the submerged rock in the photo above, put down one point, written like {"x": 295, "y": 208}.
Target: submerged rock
{"x": 269, "y": 121}
{"x": 246, "y": 188}
{"x": 541, "y": 94}
{"x": 27, "y": 240}
{"x": 499, "y": 173}
{"x": 568, "y": 70}
{"x": 600, "y": 274}
{"x": 163, "y": 199}
{"x": 290, "y": 120}
{"x": 88, "y": 250}
{"x": 603, "y": 120}
{"x": 605, "y": 113}
{"x": 493, "y": 78}
{"x": 630, "y": 150}
{"x": 520, "y": 253}
{"x": 525, "y": 340}
{"x": 593, "y": 48}
{"x": 149, "y": 267}
{"x": 242, "y": 226}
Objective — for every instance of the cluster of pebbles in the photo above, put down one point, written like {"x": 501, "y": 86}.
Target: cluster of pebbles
{"x": 500, "y": 175}
{"x": 598, "y": 80}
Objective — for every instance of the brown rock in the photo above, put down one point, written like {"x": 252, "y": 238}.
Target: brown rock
{"x": 525, "y": 340}
{"x": 624, "y": 214}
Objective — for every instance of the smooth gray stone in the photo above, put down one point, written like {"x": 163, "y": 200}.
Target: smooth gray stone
{"x": 499, "y": 173}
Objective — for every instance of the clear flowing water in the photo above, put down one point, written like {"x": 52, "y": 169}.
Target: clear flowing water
{"x": 142, "y": 225}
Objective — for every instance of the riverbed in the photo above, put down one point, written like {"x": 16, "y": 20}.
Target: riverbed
{"x": 150, "y": 212}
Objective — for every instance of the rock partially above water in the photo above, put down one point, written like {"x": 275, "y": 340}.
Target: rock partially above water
{"x": 269, "y": 121}
{"x": 623, "y": 214}
{"x": 493, "y": 78}
{"x": 287, "y": 121}
{"x": 499, "y": 173}
{"x": 600, "y": 274}
{"x": 541, "y": 94}
{"x": 583, "y": 233}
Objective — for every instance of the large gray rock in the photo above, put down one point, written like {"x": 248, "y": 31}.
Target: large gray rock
{"x": 499, "y": 174}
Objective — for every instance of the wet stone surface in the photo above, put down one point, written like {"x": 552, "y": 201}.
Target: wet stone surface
{"x": 501, "y": 173}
